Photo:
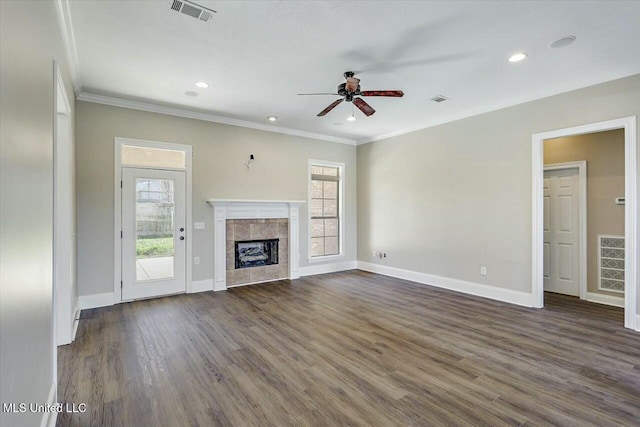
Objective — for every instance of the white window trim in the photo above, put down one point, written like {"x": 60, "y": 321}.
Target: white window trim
{"x": 341, "y": 211}
{"x": 117, "y": 243}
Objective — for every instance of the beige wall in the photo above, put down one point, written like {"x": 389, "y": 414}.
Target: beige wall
{"x": 220, "y": 153}
{"x": 604, "y": 153}
{"x": 30, "y": 42}
{"x": 449, "y": 199}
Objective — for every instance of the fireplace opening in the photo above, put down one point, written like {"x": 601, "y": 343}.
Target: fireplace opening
{"x": 256, "y": 253}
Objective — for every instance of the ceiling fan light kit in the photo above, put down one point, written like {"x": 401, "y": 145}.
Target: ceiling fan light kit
{"x": 350, "y": 91}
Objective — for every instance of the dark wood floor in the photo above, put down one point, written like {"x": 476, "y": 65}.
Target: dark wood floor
{"x": 350, "y": 348}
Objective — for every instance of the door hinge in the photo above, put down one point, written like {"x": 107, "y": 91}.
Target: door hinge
{"x": 120, "y": 284}
{"x": 121, "y": 234}
{"x": 120, "y": 184}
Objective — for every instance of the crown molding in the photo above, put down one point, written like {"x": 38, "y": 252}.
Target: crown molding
{"x": 69, "y": 41}
{"x": 189, "y": 114}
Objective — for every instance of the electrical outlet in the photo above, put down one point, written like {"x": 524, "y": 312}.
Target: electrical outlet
{"x": 198, "y": 225}
{"x": 196, "y": 260}
{"x": 483, "y": 271}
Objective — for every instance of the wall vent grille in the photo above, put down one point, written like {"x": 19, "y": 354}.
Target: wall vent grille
{"x": 611, "y": 263}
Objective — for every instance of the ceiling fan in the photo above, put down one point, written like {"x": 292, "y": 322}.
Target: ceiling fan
{"x": 350, "y": 91}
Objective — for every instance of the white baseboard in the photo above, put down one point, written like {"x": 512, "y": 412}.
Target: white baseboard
{"x": 201, "y": 286}
{"x": 49, "y": 418}
{"x": 637, "y": 325}
{"x": 311, "y": 270}
{"x": 605, "y": 299}
{"x": 477, "y": 289}
{"x": 95, "y": 300}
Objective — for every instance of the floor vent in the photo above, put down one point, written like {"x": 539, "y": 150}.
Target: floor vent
{"x": 192, "y": 9}
{"x": 611, "y": 263}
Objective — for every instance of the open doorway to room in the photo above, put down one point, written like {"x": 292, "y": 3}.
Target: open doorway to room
{"x": 585, "y": 214}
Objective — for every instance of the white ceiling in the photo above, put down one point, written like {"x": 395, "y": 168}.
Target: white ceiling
{"x": 257, "y": 55}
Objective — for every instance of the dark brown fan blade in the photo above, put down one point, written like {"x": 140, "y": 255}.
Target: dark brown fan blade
{"x": 352, "y": 84}
{"x": 363, "y": 106}
{"x": 330, "y": 107}
{"x": 318, "y": 94}
{"x": 394, "y": 93}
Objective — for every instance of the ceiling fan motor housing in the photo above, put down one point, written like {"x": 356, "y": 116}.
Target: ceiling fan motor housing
{"x": 342, "y": 91}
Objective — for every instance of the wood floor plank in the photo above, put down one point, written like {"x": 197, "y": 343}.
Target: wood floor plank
{"x": 350, "y": 348}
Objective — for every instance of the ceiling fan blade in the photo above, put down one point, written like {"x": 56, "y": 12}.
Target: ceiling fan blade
{"x": 318, "y": 94}
{"x": 394, "y": 93}
{"x": 352, "y": 84}
{"x": 330, "y": 107}
{"x": 363, "y": 106}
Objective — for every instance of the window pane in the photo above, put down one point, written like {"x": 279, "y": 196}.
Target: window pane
{"x": 145, "y": 156}
{"x": 330, "y": 171}
{"x": 331, "y": 227}
{"x": 154, "y": 229}
{"x": 330, "y": 207}
{"x": 316, "y": 170}
{"x": 317, "y": 228}
{"x": 316, "y": 189}
{"x": 317, "y": 246}
{"x": 330, "y": 190}
{"x": 331, "y": 246}
{"x": 316, "y": 207}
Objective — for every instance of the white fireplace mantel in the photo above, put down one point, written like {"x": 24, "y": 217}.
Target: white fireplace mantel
{"x": 224, "y": 209}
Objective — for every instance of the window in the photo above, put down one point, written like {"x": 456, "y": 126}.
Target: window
{"x": 325, "y": 209}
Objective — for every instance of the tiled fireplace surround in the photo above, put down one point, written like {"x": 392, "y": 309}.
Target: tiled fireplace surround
{"x": 237, "y": 220}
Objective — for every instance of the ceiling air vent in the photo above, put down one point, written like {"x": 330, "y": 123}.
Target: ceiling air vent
{"x": 192, "y": 9}
{"x": 439, "y": 98}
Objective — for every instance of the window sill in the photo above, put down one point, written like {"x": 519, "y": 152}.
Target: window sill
{"x": 325, "y": 258}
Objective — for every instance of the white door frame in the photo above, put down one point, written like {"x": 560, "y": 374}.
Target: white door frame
{"x": 117, "y": 203}
{"x": 582, "y": 233}
{"x": 631, "y": 210}
{"x": 66, "y": 311}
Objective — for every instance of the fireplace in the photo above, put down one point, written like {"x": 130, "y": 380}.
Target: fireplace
{"x": 256, "y": 253}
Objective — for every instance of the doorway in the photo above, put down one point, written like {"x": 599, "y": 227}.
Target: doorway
{"x": 630, "y": 210}
{"x": 565, "y": 228}
{"x": 153, "y": 233}
{"x": 152, "y": 219}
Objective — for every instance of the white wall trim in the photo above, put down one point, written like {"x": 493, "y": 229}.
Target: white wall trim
{"x": 201, "y": 286}
{"x": 312, "y": 270}
{"x": 605, "y": 299}
{"x": 207, "y": 117}
{"x": 68, "y": 38}
{"x": 97, "y": 300}
{"x": 477, "y": 289}
{"x": 638, "y": 322}
{"x": 49, "y": 418}
{"x": 76, "y": 320}
{"x": 631, "y": 209}
{"x": 582, "y": 188}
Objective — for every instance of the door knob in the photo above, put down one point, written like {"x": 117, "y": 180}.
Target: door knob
{"x": 181, "y": 237}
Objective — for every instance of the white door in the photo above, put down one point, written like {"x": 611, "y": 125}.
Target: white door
{"x": 153, "y": 233}
{"x": 562, "y": 231}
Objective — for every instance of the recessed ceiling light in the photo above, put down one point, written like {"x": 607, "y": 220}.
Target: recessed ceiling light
{"x": 565, "y": 41}
{"x": 191, "y": 93}
{"x": 272, "y": 118}
{"x": 203, "y": 85}
{"x": 517, "y": 57}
